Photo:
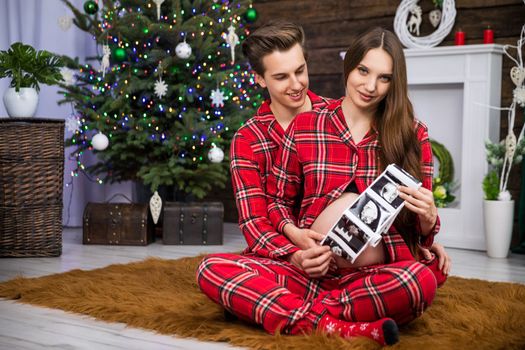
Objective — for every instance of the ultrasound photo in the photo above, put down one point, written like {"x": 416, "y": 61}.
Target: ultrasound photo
{"x": 386, "y": 187}
{"x": 336, "y": 248}
{"x": 407, "y": 174}
{"x": 370, "y": 212}
{"x": 346, "y": 238}
{"x": 402, "y": 178}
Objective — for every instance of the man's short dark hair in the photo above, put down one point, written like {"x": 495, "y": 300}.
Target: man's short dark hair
{"x": 276, "y": 35}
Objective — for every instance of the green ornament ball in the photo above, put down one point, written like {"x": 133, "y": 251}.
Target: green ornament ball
{"x": 251, "y": 15}
{"x": 91, "y": 7}
{"x": 119, "y": 54}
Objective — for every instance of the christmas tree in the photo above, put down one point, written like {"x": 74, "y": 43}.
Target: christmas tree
{"x": 166, "y": 93}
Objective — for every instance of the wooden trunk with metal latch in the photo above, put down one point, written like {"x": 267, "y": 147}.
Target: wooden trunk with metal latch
{"x": 193, "y": 223}
{"x": 117, "y": 224}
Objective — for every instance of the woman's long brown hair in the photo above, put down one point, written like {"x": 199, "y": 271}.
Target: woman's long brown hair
{"x": 394, "y": 120}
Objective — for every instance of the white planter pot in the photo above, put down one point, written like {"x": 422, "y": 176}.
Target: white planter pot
{"x": 499, "y": 219}
{"x": 21, "y": 104}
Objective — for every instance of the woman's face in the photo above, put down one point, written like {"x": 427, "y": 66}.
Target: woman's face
{"x": 369, "y": 82}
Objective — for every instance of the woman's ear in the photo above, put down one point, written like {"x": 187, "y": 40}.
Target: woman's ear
{"x": 260, "y": 80}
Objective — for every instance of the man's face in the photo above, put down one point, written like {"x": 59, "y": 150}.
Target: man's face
{"x": 286, "y": 77}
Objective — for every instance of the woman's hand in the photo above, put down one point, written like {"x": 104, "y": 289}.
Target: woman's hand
{"x": 421, "y": 202}
{"x": 314, "y": 261}
{"x": 445, "y": 263}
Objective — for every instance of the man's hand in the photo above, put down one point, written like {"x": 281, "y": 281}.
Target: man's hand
{"x": 302, "y": 237}
{"x": 314, "y": 261}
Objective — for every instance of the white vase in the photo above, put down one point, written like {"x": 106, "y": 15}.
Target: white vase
{"x": 21, "y": 104}
{"x": 499, "y": 219}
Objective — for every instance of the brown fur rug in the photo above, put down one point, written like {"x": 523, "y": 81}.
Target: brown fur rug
{"x": 162, "y": 295}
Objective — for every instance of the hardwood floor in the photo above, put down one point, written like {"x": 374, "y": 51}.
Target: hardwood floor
{"x": 27, "y": 327}
{"x": 75, "y": 255}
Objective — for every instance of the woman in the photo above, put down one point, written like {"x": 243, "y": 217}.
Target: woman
{"x": 328, "y": 156}
{"x": 375, "y": 114}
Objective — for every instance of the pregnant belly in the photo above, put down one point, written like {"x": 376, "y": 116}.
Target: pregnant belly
{"x": 329, "y": 216}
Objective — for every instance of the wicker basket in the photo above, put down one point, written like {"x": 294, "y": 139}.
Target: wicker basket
{"x": 31, "y": 179}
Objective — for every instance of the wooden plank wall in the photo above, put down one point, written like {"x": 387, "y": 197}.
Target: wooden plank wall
{"x": 331, "y": 25}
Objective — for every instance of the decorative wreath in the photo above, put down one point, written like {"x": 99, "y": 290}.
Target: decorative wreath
{"x": 443, "y": 183}
{"x": 445, "y": 26}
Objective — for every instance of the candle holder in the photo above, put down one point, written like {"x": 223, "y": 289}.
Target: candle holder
{"x": 459, "y": 37}
{"x": 488, "y": 36}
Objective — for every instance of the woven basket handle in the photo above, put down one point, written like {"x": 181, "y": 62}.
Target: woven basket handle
{"x": 119, "y": 195}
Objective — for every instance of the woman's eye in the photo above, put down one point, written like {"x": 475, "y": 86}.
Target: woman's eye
{"x": 385, "y": 79}
{"x": 362, "y": 70}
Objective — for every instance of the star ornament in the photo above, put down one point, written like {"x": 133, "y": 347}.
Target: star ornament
{"x": 72, "y": 124}
{"x": 67, "y": 75}
{"x": 519, "y": 95}
{"x": 161, "y": 88}
{"x": 217, "y": 98}
{"x": 65, "y": 22}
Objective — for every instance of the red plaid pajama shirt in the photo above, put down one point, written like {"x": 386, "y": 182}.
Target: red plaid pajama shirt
{"x": 252, "y": 152}
{"x": 318, "y": 161}
{"x": 277, "y": 295}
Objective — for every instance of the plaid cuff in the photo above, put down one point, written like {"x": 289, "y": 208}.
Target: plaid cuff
{"x": 285, "y": 252}
{"x": 428, "y": 240}
{"x": 282, "y": 223}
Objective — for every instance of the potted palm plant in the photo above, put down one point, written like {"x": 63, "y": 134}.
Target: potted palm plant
{"x": 27, "y": 68}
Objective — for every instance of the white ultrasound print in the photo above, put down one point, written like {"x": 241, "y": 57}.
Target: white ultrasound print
{"x": 386, "y": 187}
{"x": 389, "y": 192}
{"x": 370, "y": 212}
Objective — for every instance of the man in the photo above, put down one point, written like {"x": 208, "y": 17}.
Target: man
{"x": 277, "y": 55}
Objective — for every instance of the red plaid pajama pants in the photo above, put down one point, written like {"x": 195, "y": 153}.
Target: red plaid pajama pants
{"x": 281, "y": 297}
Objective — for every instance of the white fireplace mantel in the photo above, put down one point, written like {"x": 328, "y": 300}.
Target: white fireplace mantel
{"x": 451, "y": 88}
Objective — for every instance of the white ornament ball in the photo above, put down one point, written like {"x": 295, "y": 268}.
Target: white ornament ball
{"x": 504, "y": 196}
{"x": 183, "y": 50}
{"x": 216, "y": 155}
{"x": 100, "y": 142}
